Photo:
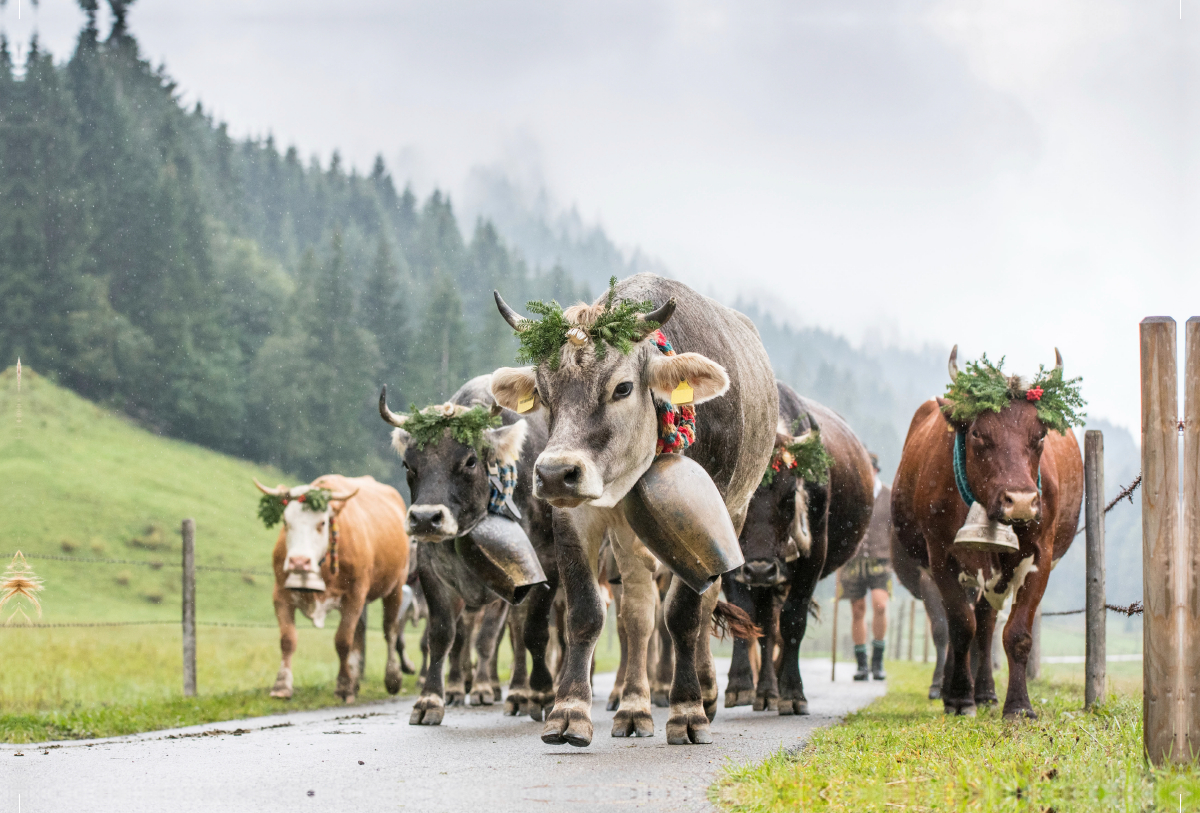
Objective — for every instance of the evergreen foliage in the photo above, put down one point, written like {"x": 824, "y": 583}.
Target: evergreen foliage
{"x": 228, "y": 292}
{"x": 808, "y": 459}
{"x": 272, "y": 506}
{"x": 983, "y": 386}
{"x": 616, "y": 326}
{"x": 427, "y": 425}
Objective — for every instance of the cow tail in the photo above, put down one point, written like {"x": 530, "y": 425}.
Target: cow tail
{"x": 731, "y": 619}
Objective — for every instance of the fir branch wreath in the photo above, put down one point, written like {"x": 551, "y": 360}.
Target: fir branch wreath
{"x": 984, "y": 386}
{"x": 427, "y": 425}
{"x": 809, "y": 460}
{"x": 616, "y": 326}
{"x": 271, "y": 506}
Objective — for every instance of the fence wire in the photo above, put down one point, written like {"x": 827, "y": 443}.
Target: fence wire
{"x": 76, "y": 624}
{"x": 153, "y": 564}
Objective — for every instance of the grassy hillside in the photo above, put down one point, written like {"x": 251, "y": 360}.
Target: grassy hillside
{"x": 83, "y": 482}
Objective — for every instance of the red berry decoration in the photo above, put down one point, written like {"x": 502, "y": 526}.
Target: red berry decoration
{"x": 1034, "y": 394}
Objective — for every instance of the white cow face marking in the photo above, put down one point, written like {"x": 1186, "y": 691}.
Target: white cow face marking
{"x": 307, "y": 536}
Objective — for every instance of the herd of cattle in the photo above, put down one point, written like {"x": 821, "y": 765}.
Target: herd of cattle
{"x": 599, "y": 508}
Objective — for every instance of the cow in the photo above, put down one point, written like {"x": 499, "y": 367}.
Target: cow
{"x": 600, "y": 398}
{"x": 797, "y": 532}
{"x": 451, "y": 492}
{"x": 912, "y": 571}
{"x": 342, "y": 545}
{"x": 1029, "y": 480}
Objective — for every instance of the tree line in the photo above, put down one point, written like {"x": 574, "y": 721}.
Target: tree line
{"x": 227, "y": 292}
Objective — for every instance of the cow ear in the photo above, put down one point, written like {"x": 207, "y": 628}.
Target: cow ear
{"x": 508, "y": 441}
{"x": 511, "y": 385}
{"x": 707, "y": 379}
{"x": 944, "y": 408}
{"x": 400, "y": 440}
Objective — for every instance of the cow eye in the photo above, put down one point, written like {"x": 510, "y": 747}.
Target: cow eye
{"x": 320, "y": 526}
{"x": 622, "y": 390}
{"x": 470, "y": 464}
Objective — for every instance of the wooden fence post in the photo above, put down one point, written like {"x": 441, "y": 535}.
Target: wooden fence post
{"x": 928, "y": 634}
{"x": 833, "y": 650}
{"x": 1189, "y": 593}
{"x": 912, "y": 620}
{"x": 1164, "y": 676}
{"x": 1093, "y": 481}
{"x": 189, "y": 608}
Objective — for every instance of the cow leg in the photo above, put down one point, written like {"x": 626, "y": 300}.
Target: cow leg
{"x": 664, "y": 663}
{"x": 636, "y": 566}
{"x": 1018, "y": 638}
{"x": 439, "y": 627}
{"x": 406, "y": 665}
{"x": 518, "y": 684}
{"x": 688, "y": 721}
{"x": 766, "y": 692}
{"x": 614, "y": 697}
{"x": 706, "y": 670}
{"x": 347, "y": 641}
{"x": 985, "y": 625}
{"x": 937, "y": 622}
{"x": 487, "y": 641}
{"x": 424, "y": 647}
{"x": 739, "y": 690}
{"x": 539, "y": 606}
{"x": 391, "y": 634}
{"x": 459, "y": 673}
{"x": 959, "y": 696}
{"x": 285, "y": 614}
{"x": 571, "y": 719}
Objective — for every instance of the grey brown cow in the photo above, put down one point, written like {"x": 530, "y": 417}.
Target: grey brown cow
{"x": 604, "y": 408}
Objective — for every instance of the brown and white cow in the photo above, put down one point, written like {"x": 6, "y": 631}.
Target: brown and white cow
{"x": 1005, "y": 452}
{"x": 369, "y": 561}
{"x": 603, "y": 436}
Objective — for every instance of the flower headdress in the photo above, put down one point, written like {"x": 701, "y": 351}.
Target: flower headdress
{"x": 984, "y": 386}
{"x": 807, "y": 458}
{"x": 467, "y": 426}
{"x": 271, "y": 506}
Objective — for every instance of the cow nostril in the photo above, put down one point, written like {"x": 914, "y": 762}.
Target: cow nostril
{"x": 571, "y": 477}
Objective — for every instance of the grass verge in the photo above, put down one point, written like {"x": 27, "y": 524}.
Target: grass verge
{"x": 902, "y": 753}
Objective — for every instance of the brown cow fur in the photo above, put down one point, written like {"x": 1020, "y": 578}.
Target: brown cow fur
{"x": 1003, "y": 452}
{"x": 372, "y": 564}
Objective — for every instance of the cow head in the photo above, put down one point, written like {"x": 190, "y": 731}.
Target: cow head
{"x": 776, "y": 530}
{"x": 603, "y": 426}
{"x": 1003, "y": 454}
{"x": 307, "y": 532}
{"x": 448, "y": 479}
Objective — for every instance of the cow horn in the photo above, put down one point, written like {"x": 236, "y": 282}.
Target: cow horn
{"x": 385, "y": 413}
{"x": 515, "y": 320}
{"x": 1057, "y": 360}
{"x": 953, "y": 366}
{"x": 343, "y": 496}
{"x": 278, "y": 491}
{"x": 662, "y": 315}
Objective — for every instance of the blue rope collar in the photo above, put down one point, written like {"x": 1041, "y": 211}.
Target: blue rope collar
{"x": 960, "y": 470}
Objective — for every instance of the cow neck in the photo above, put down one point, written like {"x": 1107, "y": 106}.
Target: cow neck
{"x": 676, "y": 424}
{"x": 960, "y": 469}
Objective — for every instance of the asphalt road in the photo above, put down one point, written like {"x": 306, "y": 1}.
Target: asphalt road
{"x": 368, "y": 758}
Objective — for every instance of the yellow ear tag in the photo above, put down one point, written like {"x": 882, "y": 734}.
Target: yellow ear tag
{"x": 525, "y": 403}
{"x": 681, "y": 394}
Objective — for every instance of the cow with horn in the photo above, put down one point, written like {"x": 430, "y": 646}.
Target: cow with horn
{"x": 482, "y": 538}
{"x": 342, "y": 545}
{"x": 806, "y": 520}
{"x": 988, "y": 494}
{"x": 661, "y": 407}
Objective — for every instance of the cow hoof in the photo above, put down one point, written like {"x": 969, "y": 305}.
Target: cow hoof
{"x": 745, "y": 697}
{"x": 614, "y": 701}
{"x": 661, "y": 698}
{"x": 633, "y": 723}
{"x": 568, "y": 725}
{"x": 935, "y": 692}
{"x": 482, "y": 697}
{"x": 790, "y": 707}
{"x": 959, "y": 708}
{"x": 455, "y": 697}
{"x": 282, "y": 694}
{"x": 540, "y": 705}
{"x": 392, "y": 680}
{"x": 428, "y": 710}
{"x": 283, "y": 684}
{"x": 1020, "y": 714}
{"x": 690, "y": 726}
{"x": 515, "y": 702}
{"x": 986, "y": 699}
{"x": 763, "y": 702}
{"x": 710, "y": 709}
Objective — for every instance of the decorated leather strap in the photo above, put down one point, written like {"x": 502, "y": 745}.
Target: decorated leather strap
{"x": 676, "y": 424}
{"x": 503, "y": 479}
{"x": 331, "y": 554}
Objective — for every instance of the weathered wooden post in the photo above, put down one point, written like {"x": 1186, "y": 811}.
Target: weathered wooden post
{"x": 189, "y": 608}
{"x": 928, "y": 635}
{"x": 1189, "y": 581}
{"x": 1093, "y": 482}
{"x": 1165, "y": 566}
{"x": 912, "y": 620}
{"x": 833, "y": 650}
{"x": 898, "y": 629}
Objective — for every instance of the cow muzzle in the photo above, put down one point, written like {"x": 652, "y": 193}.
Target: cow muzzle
{"x": 303, "y": 575}
{"x": 1020, "y": 506}
{"x": 431, "y": 522}
{"x": 761, "y": 573}
{"x": 566, "y": 480}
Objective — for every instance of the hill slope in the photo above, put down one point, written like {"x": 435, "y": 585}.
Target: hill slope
{"x": 83, "y": 482}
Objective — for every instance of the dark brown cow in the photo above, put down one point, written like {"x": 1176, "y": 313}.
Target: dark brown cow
{"x": 371, "y": 563}
{"x": 1005, "y": 451}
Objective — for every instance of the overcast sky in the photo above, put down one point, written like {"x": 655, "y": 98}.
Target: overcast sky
{"x": 1010, "y": 179}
